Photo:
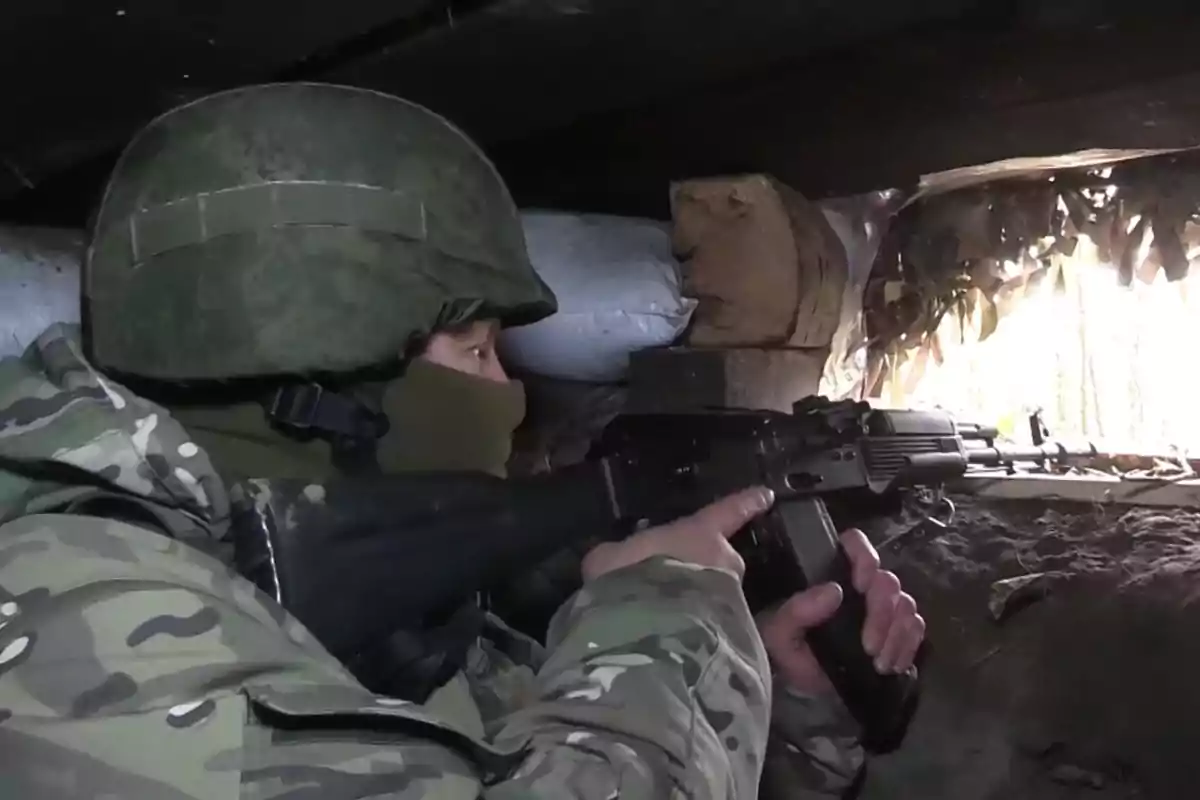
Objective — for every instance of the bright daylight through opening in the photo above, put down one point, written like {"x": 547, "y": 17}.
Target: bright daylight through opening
{"x": 1105, "y": 363}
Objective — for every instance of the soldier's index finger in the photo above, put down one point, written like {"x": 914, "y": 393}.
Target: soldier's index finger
{"x": 729, "y": 514}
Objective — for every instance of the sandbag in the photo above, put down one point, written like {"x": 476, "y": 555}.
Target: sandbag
{"x": 39, "y": 283}
{"x": 763, "y": 261}
{"x": 618, "y": 291}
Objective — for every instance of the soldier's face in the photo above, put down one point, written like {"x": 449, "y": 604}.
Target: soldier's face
{"x": 469, "y": 348}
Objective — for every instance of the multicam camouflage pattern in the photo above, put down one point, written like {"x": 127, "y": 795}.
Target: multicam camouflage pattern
{"x": 813, "y": 752}
{"x": 68, "y": 433}
{"x": 132, "y": 665}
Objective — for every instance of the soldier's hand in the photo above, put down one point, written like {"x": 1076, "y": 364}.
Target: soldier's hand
{"x": 702, "y": 538}
{"x": 892, "y": 633}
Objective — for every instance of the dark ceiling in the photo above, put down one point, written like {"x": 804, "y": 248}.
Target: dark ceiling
{"x": 598, "y": 103}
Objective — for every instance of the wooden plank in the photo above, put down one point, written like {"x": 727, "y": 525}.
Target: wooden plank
{"x": 857, "y": 121}
{"x": 682, "y": 380}
{"x": 1084, "y": 489}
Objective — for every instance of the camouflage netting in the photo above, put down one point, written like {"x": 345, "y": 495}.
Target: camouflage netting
{"x": 980, "y": 248}
{"x": 1064, "y": 655}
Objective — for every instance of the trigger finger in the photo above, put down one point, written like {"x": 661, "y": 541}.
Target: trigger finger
{"x": 729, "y": 514}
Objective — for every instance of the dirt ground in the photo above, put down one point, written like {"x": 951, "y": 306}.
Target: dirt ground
{"x": 1075, "y": 680}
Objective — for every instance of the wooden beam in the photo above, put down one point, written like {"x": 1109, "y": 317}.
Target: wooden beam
{"x": 1084, "y": 489}
{"x": 856, "y": 122}
{"x": 681, "y": 380}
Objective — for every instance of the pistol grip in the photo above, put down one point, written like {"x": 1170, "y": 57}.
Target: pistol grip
{"x": 882, "y": 705}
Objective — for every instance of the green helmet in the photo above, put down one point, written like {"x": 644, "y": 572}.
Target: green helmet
{"x": 298, "y": 229}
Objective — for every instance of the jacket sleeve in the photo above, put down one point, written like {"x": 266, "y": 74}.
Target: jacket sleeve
{"x": 814, "y": 752}
{"x": 657, "y": 686}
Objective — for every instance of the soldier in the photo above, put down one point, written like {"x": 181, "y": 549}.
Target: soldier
{"x": 248, "y": 254}
{"x": 453, "y": 407}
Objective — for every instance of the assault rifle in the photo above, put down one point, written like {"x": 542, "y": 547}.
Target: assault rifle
{"x": 844, "y": 457}
{"x": 381, "y": 567}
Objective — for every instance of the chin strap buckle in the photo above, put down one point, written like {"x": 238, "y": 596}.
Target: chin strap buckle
{"x": 296, "y": 408}
{"x": 308, "y": 409}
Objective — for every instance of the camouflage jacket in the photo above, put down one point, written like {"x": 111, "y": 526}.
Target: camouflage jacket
{"x": 813, "y": 752}
{"x": 135, "y": 664}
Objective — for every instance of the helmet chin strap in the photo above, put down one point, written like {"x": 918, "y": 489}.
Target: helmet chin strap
{"x": 350, "y": 426}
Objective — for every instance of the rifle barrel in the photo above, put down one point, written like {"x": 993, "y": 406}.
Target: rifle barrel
{"x": 1001, "y": 455}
